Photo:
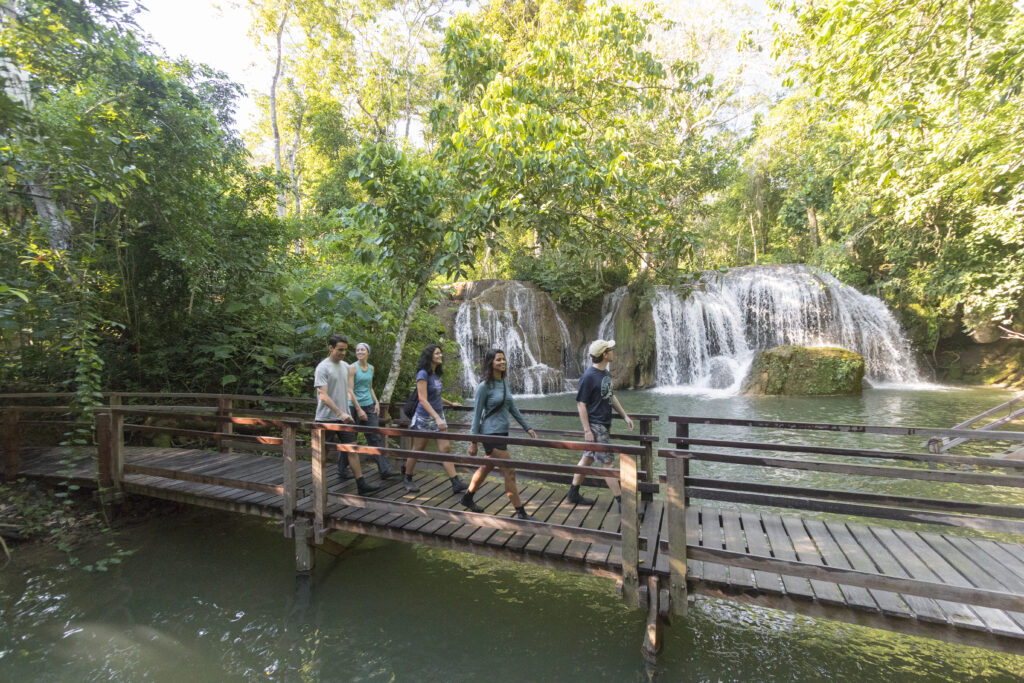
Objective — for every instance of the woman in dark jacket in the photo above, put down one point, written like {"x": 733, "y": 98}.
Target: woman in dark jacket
{"x": 492, "y": 406}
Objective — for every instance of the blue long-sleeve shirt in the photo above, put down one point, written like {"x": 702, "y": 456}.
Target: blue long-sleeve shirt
{"x": 486, "y": 399}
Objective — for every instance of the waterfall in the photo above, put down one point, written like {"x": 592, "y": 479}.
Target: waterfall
{"x": 523, "y": 322}
{"x": 707, "y": 338}
{"x": 609, "y": 311}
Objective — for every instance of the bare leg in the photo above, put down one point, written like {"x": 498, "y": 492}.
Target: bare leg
{"x": 585, "y": 461}
{"x": 418, "y": 444}
{"x": 509, "y": 474}
{"x": 445, "y": 446}
{"x": 613, "y": 483}
{"x": 478, "y": 478}
{"x": 353, "y": 463}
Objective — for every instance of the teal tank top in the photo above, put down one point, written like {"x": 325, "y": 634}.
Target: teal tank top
{"x": 361, "y": 387}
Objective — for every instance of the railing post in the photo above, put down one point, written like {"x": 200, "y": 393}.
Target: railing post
{"x": 12, "y": 445}
{"x": 630, "y": 531}
{"x": 288, "y": 458}
{"x": 116, "y": 447}
{"x": 225, "y": 428}
{"x": 675, "y": 502}
{"x": 647, "y": 460}
{"x": 316, "y": 441}
{"x": 104, "y": 452}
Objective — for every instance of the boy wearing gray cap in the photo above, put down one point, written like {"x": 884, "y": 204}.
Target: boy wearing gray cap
{"x": 594, "y": 402}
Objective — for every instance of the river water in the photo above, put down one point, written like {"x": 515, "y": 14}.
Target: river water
{"x": 209, "y": 596}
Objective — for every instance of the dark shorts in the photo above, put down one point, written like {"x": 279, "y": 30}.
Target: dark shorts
{"x": 490, "y": 447}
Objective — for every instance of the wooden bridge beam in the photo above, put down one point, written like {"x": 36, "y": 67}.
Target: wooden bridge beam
{"x": 316, "y": 443}
{"x": 630, "y": 531}
{"x": 225, "y": 427}
{"x": 675, "y": 502}
{"x": 288, "y": 462}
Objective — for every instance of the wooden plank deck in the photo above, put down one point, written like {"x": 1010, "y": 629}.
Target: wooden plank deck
{"x": 949, "y": 559}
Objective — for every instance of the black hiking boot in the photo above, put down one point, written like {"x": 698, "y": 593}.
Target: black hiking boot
{"x": 521, "y": 513}
{"x": 458, "y": 486}
{"x": 576, "y": 498}
{"x": 467, "y": 500}
{"x": 363, "y": 488}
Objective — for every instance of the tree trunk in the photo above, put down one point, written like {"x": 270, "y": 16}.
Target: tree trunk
{"x": 403, "y": 332}
{"x": 812, "y": 224}
{"x": 293, "y": 165}
{"x": 282, "y": 209}
{"x": 753, "y": 235}
{"x": 16, "y": 86}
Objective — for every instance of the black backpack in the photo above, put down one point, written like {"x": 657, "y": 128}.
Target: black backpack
{"x": 409, "y": 407}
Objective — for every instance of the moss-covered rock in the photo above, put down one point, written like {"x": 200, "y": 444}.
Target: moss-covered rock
{"x": 803, "y": 371}
{"x": 635, "y": 350}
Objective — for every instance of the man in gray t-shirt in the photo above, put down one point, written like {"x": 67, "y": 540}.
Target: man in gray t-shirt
{"x": 331, "y": 381}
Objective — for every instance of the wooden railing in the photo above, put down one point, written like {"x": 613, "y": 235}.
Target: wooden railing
{"x": 937, "y": 445}
{"x": 681, "y": 486}
{"x": 292, "y": 435}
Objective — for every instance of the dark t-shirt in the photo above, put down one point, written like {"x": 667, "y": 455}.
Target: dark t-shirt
{"x": 595, "y": 390}
{"x": 433, "y": 393}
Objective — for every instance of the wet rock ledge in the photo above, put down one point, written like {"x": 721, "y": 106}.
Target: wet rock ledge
{"x": 805, "y": 371}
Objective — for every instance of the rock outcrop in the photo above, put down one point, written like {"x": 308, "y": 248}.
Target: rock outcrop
{"x": 635, "y": 350}
{"x": 805, "y": 371}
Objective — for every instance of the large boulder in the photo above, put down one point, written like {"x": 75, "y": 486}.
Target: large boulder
{"x": 635, "y": 350}
{"x": 804, "y": 371}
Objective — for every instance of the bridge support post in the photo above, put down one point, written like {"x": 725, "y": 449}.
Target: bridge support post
{"x": 116, "y": 448}
{"x": 304, "y": 552}
{"x": 653, "y": 632}
{"x": 675, "y": 501}
{"x": 647, "y": 460}
{"x": 12, "y": 445}
{"x": 316, "y": 441}
{"x": 288, "y": 462}
{"x": 630, "y": 532}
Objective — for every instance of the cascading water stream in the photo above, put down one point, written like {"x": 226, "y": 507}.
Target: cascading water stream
{"x": 508, "y": 315}
{"x": 707, "y": 338}
{"x": 609, "y": 310}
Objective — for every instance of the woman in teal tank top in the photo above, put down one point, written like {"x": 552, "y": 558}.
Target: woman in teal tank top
{"x": 366, "y": 408}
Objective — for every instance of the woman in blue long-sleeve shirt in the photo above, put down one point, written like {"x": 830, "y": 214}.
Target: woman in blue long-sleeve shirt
{"x": 492, "y": 405}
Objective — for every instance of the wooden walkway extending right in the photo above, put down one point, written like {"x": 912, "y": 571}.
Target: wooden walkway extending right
{"x": 950, "y": 559}
{"x": 962, "y": 586}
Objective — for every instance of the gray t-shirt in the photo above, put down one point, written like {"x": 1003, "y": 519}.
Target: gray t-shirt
{"x": 334, "y": 376}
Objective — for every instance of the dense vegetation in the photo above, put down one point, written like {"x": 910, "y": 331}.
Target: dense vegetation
{"x": 146, "y": 245}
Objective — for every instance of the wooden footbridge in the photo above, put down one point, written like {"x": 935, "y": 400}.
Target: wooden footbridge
{"x": 928, "y": 565}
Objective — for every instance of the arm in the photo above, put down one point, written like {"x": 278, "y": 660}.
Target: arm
{"x": 478, "y": 407}
{"x": 326, "y": 398}
{"x": 618, "y": 407}
{"x": 373, "y": 395}
{"x": 581, "y": 408}
{"x": 351, "y": 392}
{"x": 478, "y": 410}
{"x": 513, "y": 410}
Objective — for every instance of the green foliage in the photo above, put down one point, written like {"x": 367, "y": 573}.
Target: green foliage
{"x": 922, "y": 135}
{"x": 578, "y": 136}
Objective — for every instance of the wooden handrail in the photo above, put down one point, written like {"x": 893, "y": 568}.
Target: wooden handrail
{"x": 971, "y": 460}
{"x": 844, "y": 468}
{"x": 859, "y": 429}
